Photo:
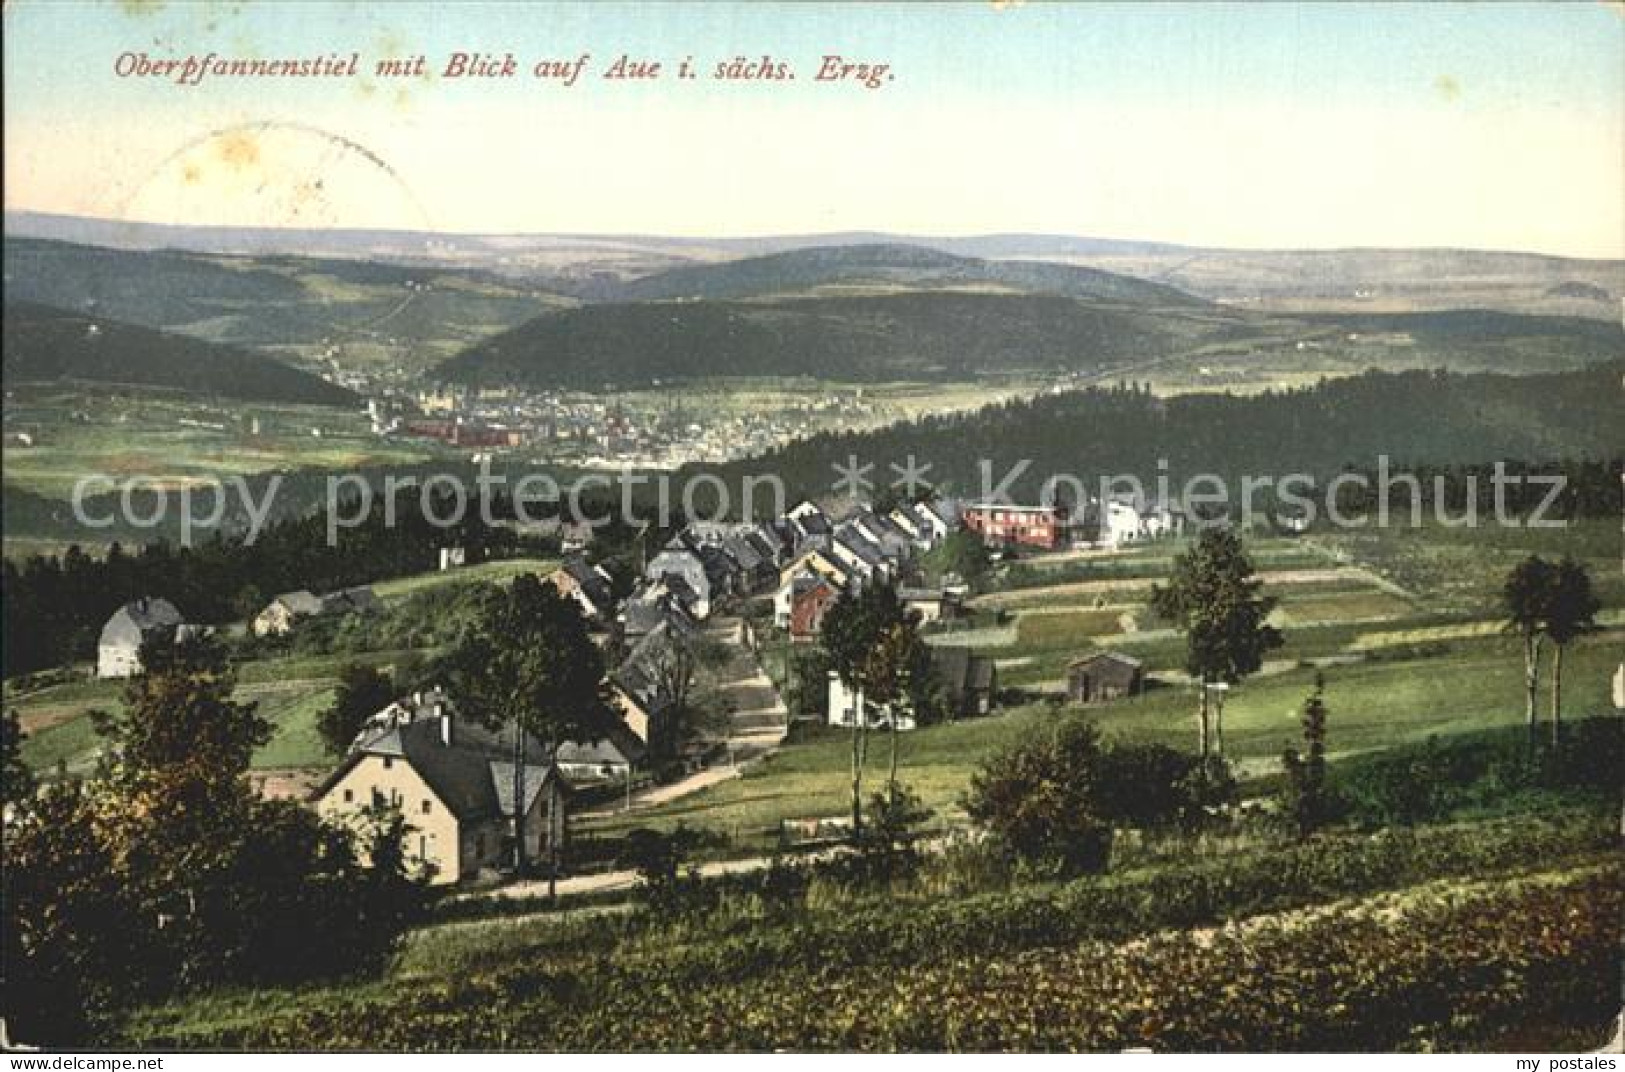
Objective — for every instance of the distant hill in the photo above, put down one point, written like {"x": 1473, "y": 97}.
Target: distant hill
{"x": 355, "y": 312}
{"x": 42, "y": 344}
{"x": 1413, "y": 417}
{"x": 889, "y": 265}
{"x": 909, "y": 335}
{"x": 1281, "y": 280}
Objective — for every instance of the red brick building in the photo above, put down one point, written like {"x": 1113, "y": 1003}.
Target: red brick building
{"x": 1003, "y": 524}
{"x": 807, "y": 609}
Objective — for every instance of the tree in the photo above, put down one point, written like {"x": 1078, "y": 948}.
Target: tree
{"x": 676, "y": 662}
{"x": 1213, "y": 598}
{"x": 1154, "y": 787}
{"x": 363, "y": 691}
{"x": 1571, "y": 609}
{"x": 1526, "y": 595}
{"x": 862, "y": 644}
{"x": 1306, "y": 798}
{"x": 528, "y": 662}
{"x": 165, "y": 873}
{"x": 1041, "y": 799}
{"x": 961, "y": 552}
{"x": 16, "y": 780}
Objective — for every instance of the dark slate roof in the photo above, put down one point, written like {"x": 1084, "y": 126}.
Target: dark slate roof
{"x": 473, "y": 776}
{"x": 868, "y": 552}
{"x": 501, "y": 773}
{"x": 349, "y": 600}
{"x": 592, "y": 584}
{"x": 744, "y": 553}
{"x": 621, "y": 746}
{"x": 813, "y": 525}
{"x": 459, "y": 776}
{"x": 133, "y": 622}
{"x": 766, "y": 543}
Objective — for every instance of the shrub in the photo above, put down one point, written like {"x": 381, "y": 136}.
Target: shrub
{"x": 1040, "y": 799}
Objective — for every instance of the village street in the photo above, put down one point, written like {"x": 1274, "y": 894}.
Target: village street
{"x": 756, "y": 723}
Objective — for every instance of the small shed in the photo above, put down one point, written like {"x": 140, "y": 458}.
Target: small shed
{"x": 1102, "y": 676}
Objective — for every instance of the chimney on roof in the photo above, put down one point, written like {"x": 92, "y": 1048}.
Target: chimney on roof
{"x": 445, "y": 723}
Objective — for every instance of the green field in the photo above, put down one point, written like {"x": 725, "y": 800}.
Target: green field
{"x": 78, "y": 433}
{"x": 1398, "y": 670}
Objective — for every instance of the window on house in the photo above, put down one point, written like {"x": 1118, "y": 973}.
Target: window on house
{"x": 389, "y": 761}
{"x": 427, "y": 807}
{"x": 349, "y": 796}
{"x": 377, "y": 797}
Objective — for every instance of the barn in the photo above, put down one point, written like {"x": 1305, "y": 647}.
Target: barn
{"x": 1103, "y": 676}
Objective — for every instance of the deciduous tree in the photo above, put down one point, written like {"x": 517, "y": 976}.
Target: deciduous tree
{"x": 1213, "y": 597}
{"x": 529, "y": 663}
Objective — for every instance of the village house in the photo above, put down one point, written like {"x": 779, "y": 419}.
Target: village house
{"x": 289, "y": 608}
{"x": 636, "y": 685}
{"x": 1103, "y": 676}
{"x": 280, "y": 615}
{"x": 860, "y": 555}
{"x": 118, "y": 650}
{"x": 931, "y": 604}
{"x": 702, "y": 568}
{"x": 1128, "y": 519}
{"x": 1007, "y": 525}
{"x": 811, "y": 597}
{"x": 453, "y": 783}
{"x": 894, "y": 542}
{"x": 588, "y": 585}
{"x": 656, "y": 603}
{"x": 612, "y": 759}
{"x": 967, "y": 683}
{"x": 811, "y": 528}
{"x": 820, "y": 562}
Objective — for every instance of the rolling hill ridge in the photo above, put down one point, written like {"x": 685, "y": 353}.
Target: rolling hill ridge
{"x": 42, "y": 344}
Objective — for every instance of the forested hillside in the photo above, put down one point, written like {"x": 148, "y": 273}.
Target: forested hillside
{"x": 44, "y": 344}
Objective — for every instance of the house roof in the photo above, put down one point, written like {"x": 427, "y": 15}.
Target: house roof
{"x": 592, "y": 584}
{"x": 1106, "y": 656}
{"x": 349, "y": 600}
{"x": 921, "y": 595}
{"x": 132, "y": 623}
{"x": 960, "y": 670}
{"x": 620, "y": 746}
{"x": 812, "y": 524}
{"x": 867, "y": 551}
{"x": 472, "y": 776}
{"x": 299, "y": 602}
{"x": 748, "y": 556}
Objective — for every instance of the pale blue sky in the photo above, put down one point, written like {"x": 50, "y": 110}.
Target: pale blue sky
{"x": 1489, "y": 125}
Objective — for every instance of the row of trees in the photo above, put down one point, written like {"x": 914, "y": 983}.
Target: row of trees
{"x": 1548, "y": 602}
{"x": 55, "y": 606}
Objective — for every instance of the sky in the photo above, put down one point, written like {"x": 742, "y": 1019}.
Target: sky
{"x": 1254, "y": 126}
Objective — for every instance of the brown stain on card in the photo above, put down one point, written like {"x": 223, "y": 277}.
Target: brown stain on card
{"x": 238, "y": 148}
